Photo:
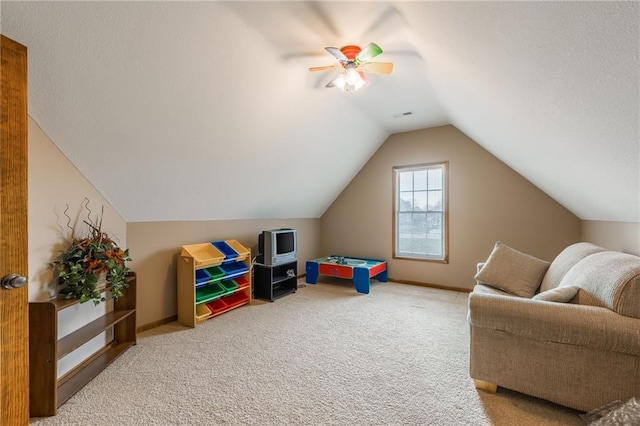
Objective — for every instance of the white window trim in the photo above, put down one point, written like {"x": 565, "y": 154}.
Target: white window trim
{"x": 445, "y": 211}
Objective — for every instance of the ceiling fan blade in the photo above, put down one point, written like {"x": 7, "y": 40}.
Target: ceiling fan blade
{"x": 369, "y": 52}
{"x": 335, "y": 81}
{"x": 377, "y": 67}
{"x": 337, "y": 54}
{"x": 325, "y": 68}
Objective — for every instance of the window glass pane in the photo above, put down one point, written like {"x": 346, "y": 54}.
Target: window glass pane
{"x": 434, "y": 234}
{"x": 404, "y": 219}
{"x": 435, "y": 200}
{"x": 406, "y": 181}
{"x": 434, "y": 222}
{"x": 435, "y": 178}
{"x": 404, "y": 232}
{"x": 412, "y": 237}
{"x": 406, "y": 202}
{"x": 418, "y": 224}
{"x": 420, "y": 180}
{"x": 420, "y": 201}
{"x": 419, "y": 234}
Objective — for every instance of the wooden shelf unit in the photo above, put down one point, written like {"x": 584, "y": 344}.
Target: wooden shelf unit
{"x": 47, "y": 392}
{"x": 199, "y": 257}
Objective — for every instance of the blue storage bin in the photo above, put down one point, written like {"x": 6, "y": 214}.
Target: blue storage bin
{"x": 234, "y": 269}
{"x": 202, "y": 276}
{"x": 242, "y": 251}
{"x": 229, "y": 253}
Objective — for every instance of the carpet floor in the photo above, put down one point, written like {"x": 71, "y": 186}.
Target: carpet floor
{"x": 324, "y": 355}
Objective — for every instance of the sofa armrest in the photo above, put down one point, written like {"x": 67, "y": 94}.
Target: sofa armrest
{"x": 565, "y": 323}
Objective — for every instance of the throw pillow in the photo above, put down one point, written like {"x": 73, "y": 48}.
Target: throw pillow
{"x": 558, "y": 294}
{"x": 512, "y": 271}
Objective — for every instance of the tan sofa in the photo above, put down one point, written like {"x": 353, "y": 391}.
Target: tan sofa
{"x": 581, "y": 354}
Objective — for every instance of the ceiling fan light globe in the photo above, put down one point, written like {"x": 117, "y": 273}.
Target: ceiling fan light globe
{"x": 349, "y": 81}
{"x": 339, "y": 82}
{"x": 352, "y": 76}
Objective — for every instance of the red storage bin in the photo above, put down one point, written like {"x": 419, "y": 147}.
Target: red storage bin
{"x": 217, "y": 306}
{"x": 235, "y": 299}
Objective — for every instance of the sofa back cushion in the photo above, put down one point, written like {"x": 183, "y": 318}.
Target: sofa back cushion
{"x": 609, "y": 279}
{"x": 512, "y": 271}
{"x": 564, "y": 261}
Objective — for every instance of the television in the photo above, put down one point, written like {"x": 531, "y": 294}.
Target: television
{"x": 278, "y": 246}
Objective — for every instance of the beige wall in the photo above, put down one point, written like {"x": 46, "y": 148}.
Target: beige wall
{"x": 55, "y": 183}
{"x": 155, "y": 245}
{"x": 488, "y": 201}
{"x": 621, "y": 236}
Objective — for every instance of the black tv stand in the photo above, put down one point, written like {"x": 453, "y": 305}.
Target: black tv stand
{"x": 274, "y": 281}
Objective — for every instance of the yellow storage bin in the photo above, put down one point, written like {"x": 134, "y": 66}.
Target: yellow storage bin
{"x": 202, "y": 312}
{"x": 203, "y": 254}
{"x": 243, "y": 252}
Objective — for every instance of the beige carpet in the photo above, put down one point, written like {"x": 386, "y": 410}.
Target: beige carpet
{"x": 325, "y": 355}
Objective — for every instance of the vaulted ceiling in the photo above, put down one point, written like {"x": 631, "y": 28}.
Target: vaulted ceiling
{"x": 206, "y": 110}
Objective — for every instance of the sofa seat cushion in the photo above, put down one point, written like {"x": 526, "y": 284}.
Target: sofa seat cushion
{"x": 486, "y": 289}
{"x": 512, "y": 271}
{"x": 564, "y": 261}
{"x": 608, "y": 279}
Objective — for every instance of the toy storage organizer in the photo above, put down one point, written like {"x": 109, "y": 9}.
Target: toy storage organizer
{"x": 213, "y": 278}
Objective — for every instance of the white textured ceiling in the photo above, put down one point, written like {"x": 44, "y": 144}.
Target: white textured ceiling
{"x": 206, "y": 110}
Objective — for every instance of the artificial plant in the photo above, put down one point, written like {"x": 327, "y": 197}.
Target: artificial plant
{"x": 81, "y": 265}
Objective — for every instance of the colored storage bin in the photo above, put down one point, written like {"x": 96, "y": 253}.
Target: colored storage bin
{"x": 203, "y": 254}
{"x": 202, "y": 312}
{"x": 230, "y": 254}
{"x": 229, "y": 285}
{"x": 208, "y": 292}
{"x": 214, "y": 273}
{"x": 202, "y": 276}
{"x": 234, "y": 269}
{"x": 217, "y": 306}
{"x": 242, "y": 251}
{"x": 241, "y": 281}
{"x": 235, "y": 299}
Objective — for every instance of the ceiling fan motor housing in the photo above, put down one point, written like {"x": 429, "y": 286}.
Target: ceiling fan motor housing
{"x": 350, "y": 51}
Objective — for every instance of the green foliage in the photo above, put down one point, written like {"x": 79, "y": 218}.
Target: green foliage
{"x": 80, "y": 265}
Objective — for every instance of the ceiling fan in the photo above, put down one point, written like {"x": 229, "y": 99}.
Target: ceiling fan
{"x": 355, "y": 63}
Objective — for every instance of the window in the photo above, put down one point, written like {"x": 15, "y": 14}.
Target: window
{"x": 420, "y": 212}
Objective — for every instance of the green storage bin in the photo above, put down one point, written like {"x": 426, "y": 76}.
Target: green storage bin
{"x": 229, "y": 285}
{"x": 209, "y": 292}
{"x": 214, "y": 272}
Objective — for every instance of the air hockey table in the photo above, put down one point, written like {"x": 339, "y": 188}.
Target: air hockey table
{"x": 361, "y": 270}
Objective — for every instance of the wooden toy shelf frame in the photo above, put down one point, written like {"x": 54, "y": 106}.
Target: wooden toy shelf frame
{"x": 47, "y": 392}
{"x": 205, "y": 256}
